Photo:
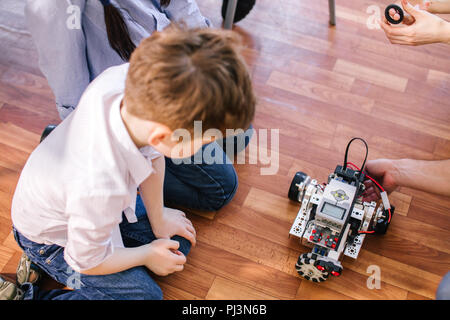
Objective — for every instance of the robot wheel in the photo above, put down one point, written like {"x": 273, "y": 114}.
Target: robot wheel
{"x": 307, "y": 267}
{"x": 294, "y": 192}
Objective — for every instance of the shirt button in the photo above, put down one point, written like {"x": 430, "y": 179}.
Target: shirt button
{"x": 47, "y": 261}
{"x": 41, "y": 252}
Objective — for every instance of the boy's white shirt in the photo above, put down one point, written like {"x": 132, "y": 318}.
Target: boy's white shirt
{"x": 78, "y": 181}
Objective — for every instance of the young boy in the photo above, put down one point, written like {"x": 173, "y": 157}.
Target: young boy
{"x": 76, "y": 213}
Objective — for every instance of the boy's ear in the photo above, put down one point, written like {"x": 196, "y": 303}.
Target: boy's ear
{"x": 158, "y": 134}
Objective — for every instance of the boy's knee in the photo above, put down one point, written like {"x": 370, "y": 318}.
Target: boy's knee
{"x": 227, "y": 184}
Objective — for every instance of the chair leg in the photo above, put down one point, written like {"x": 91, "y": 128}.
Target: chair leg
{"x": 332, "y": 5}
{"x": 231, "y": 10}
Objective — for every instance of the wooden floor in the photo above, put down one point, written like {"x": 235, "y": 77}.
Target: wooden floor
{"x": 320, "y": 86}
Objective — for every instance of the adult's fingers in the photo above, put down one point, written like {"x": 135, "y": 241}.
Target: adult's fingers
{"x": 408, "y": 19}
{"x": 398, "y": 30}
{"x": 409, "y": 8}
{"x": 368, "y": 183}
{"x": 394, "y": 15}
{"x": 372, "y": 191}
{"x": 371, "y": 197}
{"x": 392, "y": 12}
{"x": 385, "y": 25}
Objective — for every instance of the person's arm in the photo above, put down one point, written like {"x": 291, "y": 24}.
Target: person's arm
{"x": 57, "y": 33}
{"x": 439, "y": 6}
{"x": 421, "y": 27}
{"x": 93, "y": 216}
{"x": 160, "y": 256}
{"x": 428, "y": 176}
{"x": 166, "y": 222}
{"x": 446, "y": 33}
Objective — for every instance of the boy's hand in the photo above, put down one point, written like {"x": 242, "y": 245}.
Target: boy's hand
{"x": 382, "y": 171}
{"x": 174, "y": 222}
{"x": 163, "y": 257}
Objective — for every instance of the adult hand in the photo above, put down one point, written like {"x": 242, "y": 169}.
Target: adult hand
{"x": 419, "y": 27}
{"x": 163, "y": 257}
{"x": 382, "y": 170}
{"x": 174, "y": 222}
{"x": 437, "y": 6}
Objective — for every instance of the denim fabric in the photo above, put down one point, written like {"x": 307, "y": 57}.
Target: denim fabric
{"x": 204, "y": 186}
{"x": 131, "y": 284}
{"x": 443, "y": 291}
{"x": 198, "y": 186}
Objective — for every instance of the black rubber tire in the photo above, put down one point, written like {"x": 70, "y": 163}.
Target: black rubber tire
{"x": 382, "y": 224}
{"x": 47, "y": 131}
{"x": 243, "y": 8}
{"x": 399, "y": 11}
{"x": 306, "y": 268}
{"x": 293, "y": 190}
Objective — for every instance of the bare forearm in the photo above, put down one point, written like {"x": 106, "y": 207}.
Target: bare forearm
{"x": 446, "y": 32}
{"x": 122, "y": 259}
{"x": 152, "y": 190}
{"x": 439, "y": 6}
{"x": 429, "y": 176}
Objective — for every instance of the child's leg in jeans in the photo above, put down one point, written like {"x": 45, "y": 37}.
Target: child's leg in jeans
{"x": 204, "y": 186}
{"x": 140, "y": 233}
{"x": 134, "y": 283}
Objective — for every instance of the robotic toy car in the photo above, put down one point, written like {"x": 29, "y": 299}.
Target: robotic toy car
{"x": 334, "y": 219}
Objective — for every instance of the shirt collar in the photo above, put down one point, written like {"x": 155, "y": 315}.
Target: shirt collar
{"x": 138, "y": 166}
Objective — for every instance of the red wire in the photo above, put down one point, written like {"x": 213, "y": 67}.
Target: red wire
{"x": 381, "y": 188}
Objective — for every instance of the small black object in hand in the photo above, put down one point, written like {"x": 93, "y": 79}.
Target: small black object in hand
{"x": 398, "y": 10}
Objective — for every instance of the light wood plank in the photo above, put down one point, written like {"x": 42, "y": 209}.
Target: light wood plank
{"x": 320, "y": 92}
{"x": 371, "y": 75}
{"x": 223, "y": 289}
{"x": 438, "y": 78}
{"x": 313, "y": 291}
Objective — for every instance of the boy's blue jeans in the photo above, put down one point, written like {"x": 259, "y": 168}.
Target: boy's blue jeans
{"x": 197, "y": 186}
{"x": 133, "y": 284}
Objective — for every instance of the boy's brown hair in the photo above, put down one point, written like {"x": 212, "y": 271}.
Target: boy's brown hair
{"x": 177, "y": 76}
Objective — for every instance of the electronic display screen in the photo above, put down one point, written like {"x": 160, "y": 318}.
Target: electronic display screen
{"x": 333, "y": 211}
